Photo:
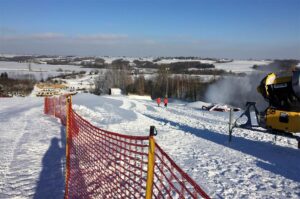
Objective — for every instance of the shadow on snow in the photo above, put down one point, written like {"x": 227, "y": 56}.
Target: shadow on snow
{"x": 51, "y": 183}
{"x": 279, "y": 160}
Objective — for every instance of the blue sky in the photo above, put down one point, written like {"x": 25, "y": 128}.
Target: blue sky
{"x": 207, "y": 28}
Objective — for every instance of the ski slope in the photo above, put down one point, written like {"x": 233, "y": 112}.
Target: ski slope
{"x": 32, "y": 150}
{"x": 252, "y": 166}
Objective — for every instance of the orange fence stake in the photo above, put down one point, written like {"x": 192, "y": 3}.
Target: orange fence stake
{"x": 68, "y": 137}
{"x": 151, "y": 162}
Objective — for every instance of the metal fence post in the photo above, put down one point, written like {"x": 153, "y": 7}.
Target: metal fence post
{"x": 230, "y": 125}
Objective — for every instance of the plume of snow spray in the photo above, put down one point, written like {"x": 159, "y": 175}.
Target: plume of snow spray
{"x": 237, "y": 91}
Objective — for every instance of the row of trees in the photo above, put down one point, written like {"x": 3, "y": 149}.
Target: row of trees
{"x": 11, "y": 86}
{"x": 176, "y": 86}
{"x": 119, "y": 78}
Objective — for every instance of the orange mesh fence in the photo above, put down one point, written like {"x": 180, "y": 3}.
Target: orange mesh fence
{"x": 103, "y": 164}
{"x": 56, "y": 106}
{"x": 170, "y": 181}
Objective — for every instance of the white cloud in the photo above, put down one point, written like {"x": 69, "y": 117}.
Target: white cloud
{"x": 121, "y": 44}
{"x": 102, "y": 37}
{"x": 47, "y": 35}
{"x": 37, "y": 36}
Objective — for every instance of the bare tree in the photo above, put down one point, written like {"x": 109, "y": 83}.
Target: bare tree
{"x": 118, "y": 78}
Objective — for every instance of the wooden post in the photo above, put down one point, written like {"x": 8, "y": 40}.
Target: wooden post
{"x": 67, "y": 172}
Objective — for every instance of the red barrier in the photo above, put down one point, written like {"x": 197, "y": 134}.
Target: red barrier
{"x": 170, "y": 181}
{"x": 103, "y": 164}
{"x": 56, "y": 106}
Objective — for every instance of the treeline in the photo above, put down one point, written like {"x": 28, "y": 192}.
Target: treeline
{"x": 184, "y": 87}
{"x": 17, "y": 58}
{"x": 19, "y": 87}
{"x": 185, "y": 58}
{"x": 175, "y": 66}
{"x": 180, "y": 87}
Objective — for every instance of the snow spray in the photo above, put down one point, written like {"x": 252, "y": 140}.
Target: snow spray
{"x": 237, "y": 90}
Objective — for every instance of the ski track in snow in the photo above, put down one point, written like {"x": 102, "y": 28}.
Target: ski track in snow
{"x": 252, "y": 166}
{"x": 25, "y": 140}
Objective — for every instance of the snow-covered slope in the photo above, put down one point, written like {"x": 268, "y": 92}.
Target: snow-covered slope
{"x": 252, "y": 166}
{"x": 32, "y": 150}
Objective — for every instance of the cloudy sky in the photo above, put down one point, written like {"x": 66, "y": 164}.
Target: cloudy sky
{"x": 207, "y": 28}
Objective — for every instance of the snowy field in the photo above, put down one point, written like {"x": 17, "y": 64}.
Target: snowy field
{"x": 39, "y": 71}
{"x": 32, "y": 147}
{"x": 36, "y": 67}
{"x": 240, "y": 65}
{"x": 234, "y": 66}
{"x": 22, "y": 68}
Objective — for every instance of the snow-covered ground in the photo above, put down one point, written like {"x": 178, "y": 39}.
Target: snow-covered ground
{"x": 240, "y": 65}
{"x": 32, "y": 148}
{"x": 39, "y": 71}
{"x": 252, "y": 166}
{"x": 47, "y": 69}
{"x": 37, "y": 67}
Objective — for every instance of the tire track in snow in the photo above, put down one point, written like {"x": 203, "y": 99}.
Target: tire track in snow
{"x": 24, "y": 140}
{"x": 10, "y": 136}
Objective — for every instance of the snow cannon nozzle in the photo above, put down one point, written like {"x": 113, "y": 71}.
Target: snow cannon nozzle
{"x": 153, "y": 131}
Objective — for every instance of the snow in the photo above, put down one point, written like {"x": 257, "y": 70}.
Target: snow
{"x": 169, "y": 61}
{"x": 32, "y": 150}
{"x": 198, "y": 104}
{"x": 36, "y": 67}
{"x": 109, "y": 60}
{"x": 240, "y": 65}
{"x": 143, "y": 97}
{"x": 39, "y": 71}
{"x": 84, "y": 82}
{"x": 251, "y": 166}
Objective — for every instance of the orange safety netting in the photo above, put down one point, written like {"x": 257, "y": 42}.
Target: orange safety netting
{"x": 103, "y": 164}
{"x": 170, "y": 181}
{"x": 56, "y": 106}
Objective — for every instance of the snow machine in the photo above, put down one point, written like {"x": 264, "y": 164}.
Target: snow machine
{"x": 282, "y": 117}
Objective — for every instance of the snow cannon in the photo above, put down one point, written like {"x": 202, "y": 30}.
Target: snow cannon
{"x": 283, "y": 94}
{"x": 282, "y": 117}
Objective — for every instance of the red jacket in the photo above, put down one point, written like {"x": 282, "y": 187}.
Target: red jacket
{"x": 166, "y": 101}
{"x": 158, "y": 100}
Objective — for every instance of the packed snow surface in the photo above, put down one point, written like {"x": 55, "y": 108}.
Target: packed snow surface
{"x": 32, "y": 148}
{"x": 251, "y": 166}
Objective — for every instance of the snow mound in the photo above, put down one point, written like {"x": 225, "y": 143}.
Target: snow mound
{"x": 139, "y": 97}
